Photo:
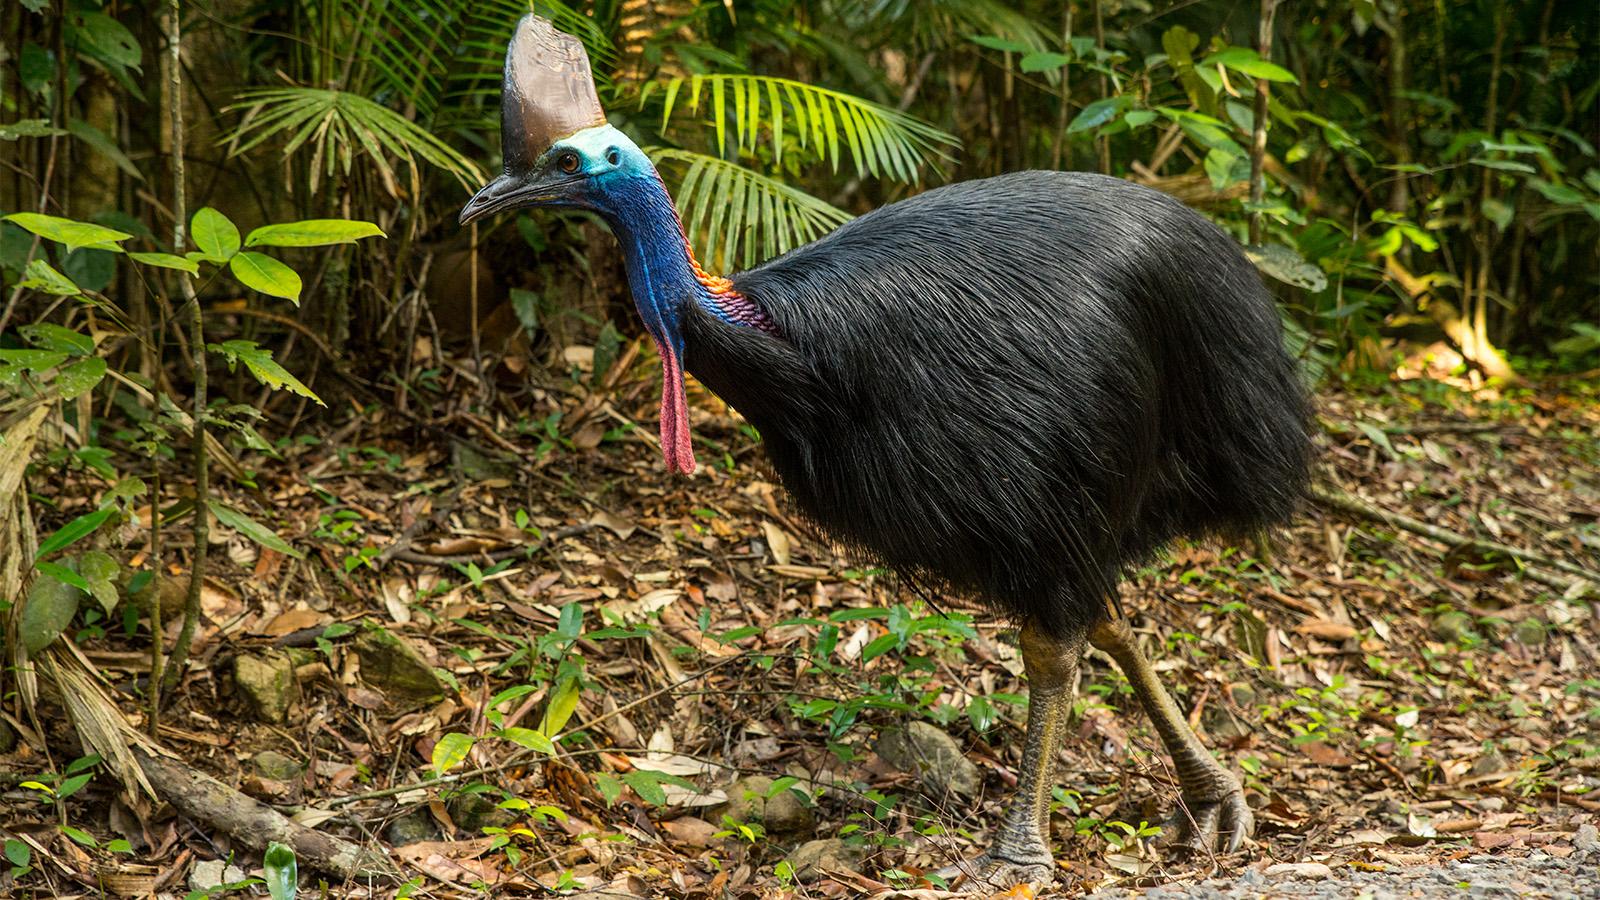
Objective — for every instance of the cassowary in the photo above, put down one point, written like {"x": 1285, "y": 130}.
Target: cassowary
{"x": 1015, "y": 387}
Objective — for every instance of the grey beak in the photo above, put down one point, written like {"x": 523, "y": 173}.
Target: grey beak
{"x": 502, "y": 193}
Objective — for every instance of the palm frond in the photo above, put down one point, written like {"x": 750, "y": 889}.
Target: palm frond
{"x": 337, "y": 126}
{"x": 881, "y": 141}
{"x": 734, "y": 216}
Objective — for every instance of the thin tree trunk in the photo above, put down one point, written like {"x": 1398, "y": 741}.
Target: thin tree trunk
{"x": 1102, "y": 143}
{"x": 197, "y": 351}
{"x": 1258, "y": 143}
{"x": 1063, "y": 115}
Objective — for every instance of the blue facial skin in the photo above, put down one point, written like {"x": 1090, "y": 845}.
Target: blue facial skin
{"x": 599, "y": 169}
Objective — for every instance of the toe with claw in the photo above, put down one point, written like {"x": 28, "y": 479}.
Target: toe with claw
{"x": 1204, "y": 826}
{"x": 987, "y": 874}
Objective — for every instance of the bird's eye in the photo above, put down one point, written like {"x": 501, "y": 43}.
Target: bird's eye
{"x": 613, "y": 157}
{"x": 568, "y": 162}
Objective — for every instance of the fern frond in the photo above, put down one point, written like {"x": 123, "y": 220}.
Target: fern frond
{"x": 882, "y": 141}
{"x": 735, "y": 217}
{"x": 337, "y": 126}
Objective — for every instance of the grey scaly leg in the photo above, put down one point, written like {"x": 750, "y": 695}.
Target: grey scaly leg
{"x": 1217, "y": 815}
{"x": 1021, "y": 850}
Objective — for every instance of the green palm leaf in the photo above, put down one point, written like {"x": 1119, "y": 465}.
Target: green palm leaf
{"x": 734, "y": 216}
{"x": 880, "y": 140}
{"x": 336, "y": 126}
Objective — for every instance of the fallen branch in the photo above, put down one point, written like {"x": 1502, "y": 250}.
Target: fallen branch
{"x": 1348, "y": 504}
{"x": 254, "y": 824}
{"x": 434, "y": 559}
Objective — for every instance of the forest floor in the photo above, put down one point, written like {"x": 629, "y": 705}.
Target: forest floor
{"x": 720, "y": 681}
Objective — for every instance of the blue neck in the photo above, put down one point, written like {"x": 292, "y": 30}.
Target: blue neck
{"x": 660, "y": 273}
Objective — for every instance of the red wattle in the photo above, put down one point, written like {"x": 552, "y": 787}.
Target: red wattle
{"x": 675, "y": 443}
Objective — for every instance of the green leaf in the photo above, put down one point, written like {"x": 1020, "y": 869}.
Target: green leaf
{"x": 97, "y": 139}
{"x": 1005, "y": 45}
{"x": 312, "y": 233}
{"x": 18, "y": 852}
{"x": 1504, "y": 165}
{"x": 80, "y": 377}
{"x": 51, "y": 604}
{"x": 28, "y": 128}
{"x": 100, "y": 571}
{"x": 450, "y": 751}
{"x": 529, "y": 738}
{"x": 73, "y": 531}
{"x": 282, "y": 871}
{"x": 71, "y": 232}
{"x": 1286, "y": 265}
{"x": 73, "y": 785}
{"x": 262, "y": 366}
{"x": 214, "y": 233}
{"x": 166, "y": 261}
{"x": 1498, "y": 211}
{"x": 50, "y": 336}
{"x": 1243, "y": 59}
{"x": 265, "y": 274}
{"x": 563, "y": 702}
{"x": 35, "y": 361}
{"x": 252, "y": 529}
{"x": 79, "y": 835}
{"x": 1098, "y": 113}
{"x": 104, "y": 38}
{"x": 1043, "y": 61}
{"x": 63, "y": 574}
{"x": 647, "y": 785}
{"x": 608, "y": 786}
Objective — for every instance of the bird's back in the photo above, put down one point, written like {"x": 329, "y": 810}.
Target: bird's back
{"x": 1019, "y": 385}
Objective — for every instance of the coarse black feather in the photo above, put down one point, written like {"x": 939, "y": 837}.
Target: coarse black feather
{"x": 1019, "y": 386}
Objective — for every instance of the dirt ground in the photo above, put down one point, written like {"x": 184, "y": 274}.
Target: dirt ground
{"x": 1391, "y": 699}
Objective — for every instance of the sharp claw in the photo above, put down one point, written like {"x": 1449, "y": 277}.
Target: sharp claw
{"x": 986, "y": 874}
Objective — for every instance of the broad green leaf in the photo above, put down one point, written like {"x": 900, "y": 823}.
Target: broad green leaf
{"x": 563, "y": 702}
{"x": 609, "y": 786}
{"x": 263, "y": 367}
{"x": 97, "y": 139}
{"x": 167, "y": 261}
{"x": 73, "y": 785}
{"x": 63, "y": 574}
{"x": 1286, "y": 265}
{"x": 450, "y": 751}
{"x": 1504, "y": 165}
{"x": 529, "y": 738}
{"x": 18, "y": 852}
{"x": 1043, "y": 62}
{"x": 74, "y": 531}
{"x": 647, "y": 785}
{"x": 214, "y": 233}
{"x": 265, "y": 274}
{"x": 1098, "y": 113}
{"x": 282, "y": 871}
{"x": 252, "y": 529}
{"x": 80, "y": 377}
{"x": 51, "y": 604}
{"x": 104, "y": 38}
{"x": 28, "y": 128}
{"x": 100, "y": 571}
{"x": 71, "y": 232}
{"x": 993, "y": 42}
{"x": 312, "y": 233}
{"x": 50, "y": 336}
{"x": 1243, "y": 59}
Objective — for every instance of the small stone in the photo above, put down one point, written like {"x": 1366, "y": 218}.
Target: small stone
{"x": 747, "y": 799}
{"x": 413, "y": 827}
{"x": 787, "y": 814}
{"x": 267, "y": 683}
{"x": 1586, "y": 839}
{"x": 811, "y": 859}
{"x": 1452, "y": 626}
{"x": 274, "y": 765}
{"x": 1489, "y": 763}
{"x": 691, "y": 832}
{"x": 1529, "y": 633}
{"x": 933, "y": 756}
{"x": 1252, "y": 877}
{"x": 209, "y": 873}
{"x": 475, "y": 812}
{"x": 1492, "y": 804}
{"x": 390, "y": 664}
{"x": 1307, "y": 870}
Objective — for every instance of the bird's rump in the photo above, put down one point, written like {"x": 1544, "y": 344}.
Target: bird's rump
{"x": 1016, "y": 386}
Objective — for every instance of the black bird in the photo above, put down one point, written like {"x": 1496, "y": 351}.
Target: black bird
{"x": 1014, "y": 387}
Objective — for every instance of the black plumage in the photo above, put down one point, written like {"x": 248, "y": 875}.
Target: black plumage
{"x": 1018, "y": 386}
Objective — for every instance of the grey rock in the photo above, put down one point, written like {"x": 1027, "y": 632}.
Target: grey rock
{"x": 267, "y": 684}
{"x": 1586, "y": 839}
{"x": 413, "y": 827}
{"x": 933, "y": 756}
{"x": 812, "y": 858}
{"x": 208, "y": 873}
{"x": 783, "y": 813}
{"x": 390, "y": 664}
{"x": 274, "y": 765}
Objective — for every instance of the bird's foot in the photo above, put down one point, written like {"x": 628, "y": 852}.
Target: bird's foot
{"x": 1205, "y": 826}
{"x": 986, "y": 874}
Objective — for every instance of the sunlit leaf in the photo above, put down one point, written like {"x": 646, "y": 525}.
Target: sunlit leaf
{"x": 312, "y": 233}
{"x": 166, "y": 261}
{"x": 450, "y": 751}
{"x": 261, "y": 272}
{"x": 80, "y": 377}
{"x": 214, "y": 233}
{"x": 72, "y": 233}
{"x": 282, "y": 871}
{"x": 252, "y": 529}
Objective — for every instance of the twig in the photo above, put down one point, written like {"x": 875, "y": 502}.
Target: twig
{"x": 156, "y": 639}
{"x": 1348, "y": 504}
{"x": 197, "y": 350}
{"x": 1258, "y": 137}
{"x": 432, "y": 559}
